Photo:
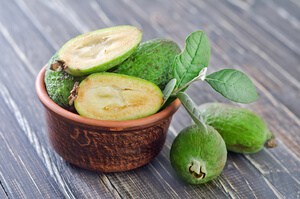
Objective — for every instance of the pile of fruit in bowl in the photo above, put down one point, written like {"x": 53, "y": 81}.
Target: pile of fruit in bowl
{"x": 112, "y": 100}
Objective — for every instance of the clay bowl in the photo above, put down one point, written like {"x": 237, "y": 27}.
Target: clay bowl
{"x": 105, "y": 146}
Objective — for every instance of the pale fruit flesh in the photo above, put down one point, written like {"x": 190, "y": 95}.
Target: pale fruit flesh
{"x": 110, "y": 96}
{"x": 99, "y": 50}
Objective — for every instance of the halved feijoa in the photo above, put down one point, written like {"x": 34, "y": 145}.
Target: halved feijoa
{"x": 111, "y": 96}
{"x": 99, "y": 50}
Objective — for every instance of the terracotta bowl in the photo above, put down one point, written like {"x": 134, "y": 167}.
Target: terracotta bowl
{"x": 106, "y": 146}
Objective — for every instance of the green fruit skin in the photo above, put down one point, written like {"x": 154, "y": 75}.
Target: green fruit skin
{"x": 59, "y": 84}
{"x": 152, "y": 61}
{"x": 193, "y": 144}
{"x": 242, "y": 130}
{"x": 102, "y": 67}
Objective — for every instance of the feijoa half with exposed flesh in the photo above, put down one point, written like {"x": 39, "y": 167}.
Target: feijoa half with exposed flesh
{"x": 111, "y": 96}
{"x": 99, "y": 50}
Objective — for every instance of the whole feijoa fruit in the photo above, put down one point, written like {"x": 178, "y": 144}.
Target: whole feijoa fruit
{"x": 99, "y": 50}
{"x": 242, "y": 130}
{"x": 59, "y": 84}
{"x": 198, "y": 156}
{"x": 112, "y": 96}
{"x": 152, "y": 61}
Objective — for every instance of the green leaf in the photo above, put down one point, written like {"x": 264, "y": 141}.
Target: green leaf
{"x": 193, "y": 59}
{"x": 169, "y": 90}
{"x": 234, "y": 85}
{"x": 192, "y": 109}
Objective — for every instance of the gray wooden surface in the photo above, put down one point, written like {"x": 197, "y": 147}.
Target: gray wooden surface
{"x": 261, "y": 38}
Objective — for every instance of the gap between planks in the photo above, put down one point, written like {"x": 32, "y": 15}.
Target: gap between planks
{"x": 2, "y": 189}
{"x": 110, "y": 186}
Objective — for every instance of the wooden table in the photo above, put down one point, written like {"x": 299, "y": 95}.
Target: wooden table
{"x": 261, "y": 38}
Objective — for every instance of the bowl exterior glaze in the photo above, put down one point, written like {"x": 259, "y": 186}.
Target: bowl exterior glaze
{"x": 105, "y": 146}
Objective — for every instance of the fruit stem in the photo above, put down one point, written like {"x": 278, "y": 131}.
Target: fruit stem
{"x": 192, "y": 109}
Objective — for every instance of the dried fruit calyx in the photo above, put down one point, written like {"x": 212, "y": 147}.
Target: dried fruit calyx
{"x": 197, "y": 169}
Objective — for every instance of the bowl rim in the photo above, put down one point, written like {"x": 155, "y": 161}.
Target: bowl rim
{"x": 52, "y": 106}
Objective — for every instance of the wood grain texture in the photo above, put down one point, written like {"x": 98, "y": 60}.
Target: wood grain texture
{"x": 3, "y": 193}
{"x": 23, "y": 92}
{"x": 259, "y": 37}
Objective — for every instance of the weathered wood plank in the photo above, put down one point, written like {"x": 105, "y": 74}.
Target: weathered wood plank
{"x": 159, "y": 180}
{"x": 272, "y": 32}
{"x": 78, "y": 187}
{"x": 219, "y": 63}
{"x": 22, "y": 91}
{"x": 155, "y": 192}
{"x": 274, "y": 117}
{"x": 280, "y": 70}
{"x": 109, "y": 8}
{"x": 274, "y": 18}
{"x": 278, "y": 184}
{"x": 277, "y": 174}
{"x": 275, "y": 158}
{"x": 135, "y": 8}
{"x": 241, "y": 179}
{"x": 22, "y": 173}
{"x": 291, "y": 6}
{"x": 20, "y": 37}
{"x": 134, "y": 189}
{"x": 56, "y": 164}
{"x": 287, "y": 146}
{"x": 148, "y": 178}
{"x": 60, "y": 26}
{"x": 227, "y": 51}
{"x": 155, "y": 21}
{"x": 25, "y": 177}
{"x": 236, "y": 172}
{"x": 218, "y": 19}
